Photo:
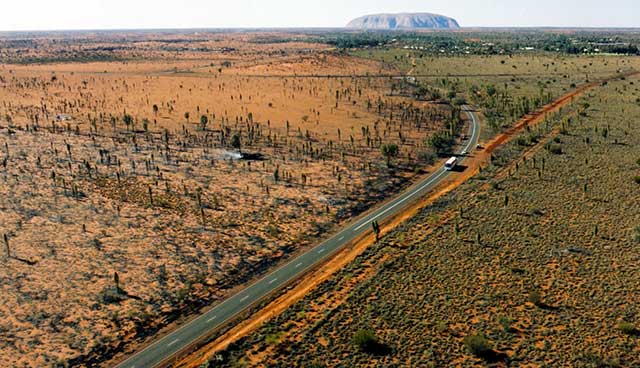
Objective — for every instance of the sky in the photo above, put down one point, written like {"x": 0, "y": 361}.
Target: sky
{"x": 130, "y": 14}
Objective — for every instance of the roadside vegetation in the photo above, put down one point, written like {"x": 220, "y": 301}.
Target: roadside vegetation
{"x": 144, "y": 177}
{"x": 532, "y": 262}
{"x": 135, "y": 193}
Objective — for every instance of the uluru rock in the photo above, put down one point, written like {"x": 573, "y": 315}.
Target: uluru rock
{"x": 404, "y": 21}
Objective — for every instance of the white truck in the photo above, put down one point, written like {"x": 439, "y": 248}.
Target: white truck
{"x": 451, "y": 164}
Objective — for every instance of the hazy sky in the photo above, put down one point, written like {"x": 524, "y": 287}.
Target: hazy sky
{"x": 98, "y": 14}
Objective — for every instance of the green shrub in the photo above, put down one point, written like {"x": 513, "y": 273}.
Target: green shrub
{"x": 627, "y": 328}
{"x": 478, "y": 345}
{"x": 535, "y": 298}
{"x": 441, "y": 327}
{"x": 554, "y": 148}
{"x": 506, "y": 324}
{"x": 637, "y": 179}
{"x": 365, "y": 340}
{"x": 428, "y": 158}
{"x": 440, "y": 142}
{"x": 273, "y": 339}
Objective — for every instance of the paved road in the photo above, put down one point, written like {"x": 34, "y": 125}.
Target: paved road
{"x": 164, "y": 349}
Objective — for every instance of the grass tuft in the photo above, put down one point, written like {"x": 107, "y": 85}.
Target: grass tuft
{"x": 478, "y": 345}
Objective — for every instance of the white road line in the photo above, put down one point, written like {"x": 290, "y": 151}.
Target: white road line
{"x": 473, "y": 133}
{"x": 244, "y": 298}
{"x": 321, "y": 250}
{"x": 409, "y": 196}
{"x": 341, "y": 238}
{"x": 272, "y": 281}
{"x": 173, "y": 342}
{"x": 211, "y": 319}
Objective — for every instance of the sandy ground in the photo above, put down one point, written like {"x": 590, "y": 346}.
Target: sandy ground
{"x": 311, "y": 281}
{"x": 165, "y": 204}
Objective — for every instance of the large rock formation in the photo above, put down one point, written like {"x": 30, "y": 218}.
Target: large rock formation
{"x": 404, "y": 21}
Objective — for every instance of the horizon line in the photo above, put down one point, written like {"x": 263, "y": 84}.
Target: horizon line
{"x": 282, "y": 28}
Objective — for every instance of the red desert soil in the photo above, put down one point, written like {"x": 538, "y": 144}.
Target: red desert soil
{"x": 98, "y": 182}
{"x": 348, "y": 254}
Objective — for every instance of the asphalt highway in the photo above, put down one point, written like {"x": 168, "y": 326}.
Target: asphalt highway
{"x": 164, "y": 349}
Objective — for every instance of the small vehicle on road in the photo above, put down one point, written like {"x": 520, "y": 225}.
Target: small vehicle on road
{"x": 479, "y": 147}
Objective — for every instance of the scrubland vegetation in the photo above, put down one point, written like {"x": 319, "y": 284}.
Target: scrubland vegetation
{"x": 134, "y": 193}
{"x": 533, "y": 262}
{"x": 142, "y": 180}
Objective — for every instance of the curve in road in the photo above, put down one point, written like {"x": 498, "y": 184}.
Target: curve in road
{"x": 167, "y": 347}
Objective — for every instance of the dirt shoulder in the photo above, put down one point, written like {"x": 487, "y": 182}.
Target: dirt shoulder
{"x": 343, "y": 258}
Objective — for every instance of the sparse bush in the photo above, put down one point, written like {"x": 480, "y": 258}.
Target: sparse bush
{"x": 204, "y": 120}
{"x": 273, "y": 339}
{"x": 506, "y": 324}
{"x": 535, "y": 298}
{"x": 236, "y": 141}
{"x": 627, "y": 328}
{"x": 554, "y": 148}
{"x": 389, "y": 151}
{"x": 441, "y": 327}
{"x": 365, "y": 340}
{"x": 534, "y": 138}
{"x": 637, "y": 179}
{"x": 440, "y": 142}
{"x": 563, "y": 130}
{"x": 428, "y": 158}
{"x": 478, "y": 345}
